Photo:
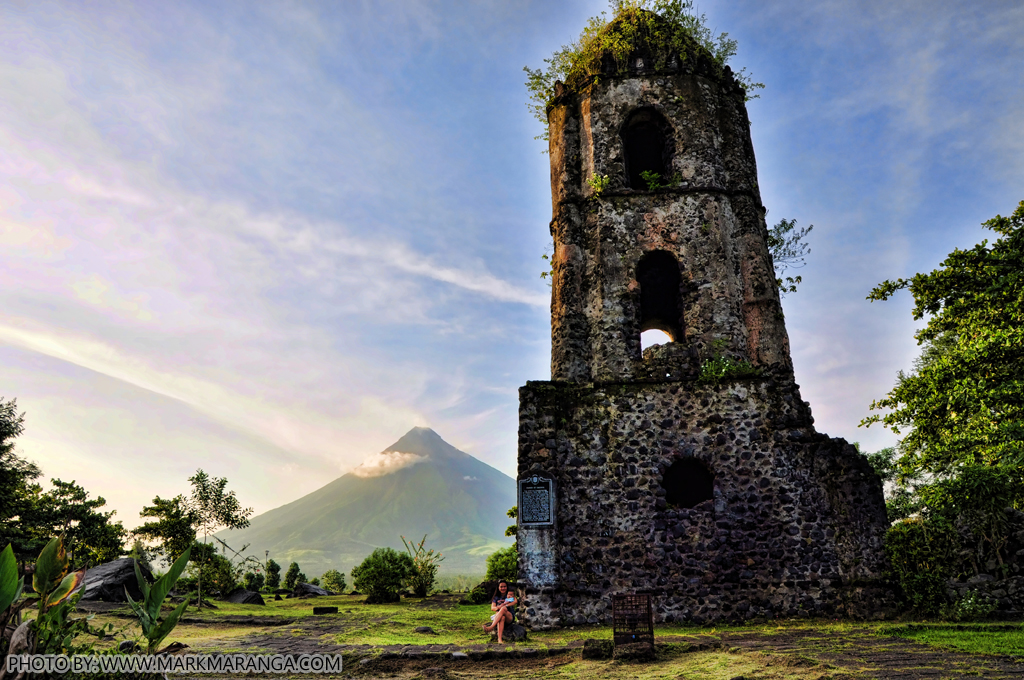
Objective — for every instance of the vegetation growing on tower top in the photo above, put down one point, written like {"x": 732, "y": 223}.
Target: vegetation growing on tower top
{"x": 659, "y": 29}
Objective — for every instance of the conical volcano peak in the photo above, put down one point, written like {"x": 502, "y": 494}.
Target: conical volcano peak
{"x": 423, "y": 441}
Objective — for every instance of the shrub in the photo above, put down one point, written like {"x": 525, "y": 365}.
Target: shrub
{"x": 972, "y": 606}
{"x": 253, "y": 581}
{"x": 333, "y": 580}
{"x": 382, "y": 575}
{"x": 424, "y": 566}
{"x": 503, "y": 565}
{"x": 293, "y": 576}
{"x": 919, "y": 552}
{"x": 314, "y": 581}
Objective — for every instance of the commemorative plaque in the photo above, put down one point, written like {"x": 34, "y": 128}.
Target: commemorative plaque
{"x": 536, "y": 500}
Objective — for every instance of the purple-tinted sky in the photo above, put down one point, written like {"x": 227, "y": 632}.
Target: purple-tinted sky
{"x": 266, "y": 239}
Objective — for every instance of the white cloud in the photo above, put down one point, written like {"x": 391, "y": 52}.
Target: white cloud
{"x": 385, "y": 463}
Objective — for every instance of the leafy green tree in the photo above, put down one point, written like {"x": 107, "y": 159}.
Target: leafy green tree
{"x": 214, "y": 508}
{"x": 293, "y": 576}
{"x": 963, "y": 405}
{"x": 382, "y": 575}
{"x": 273, "y": 574}
{"x": 503, "y": 565}
{"x": 18, "y": 492}
{"x": 253, "y": 580}
{"x": 513, "y": 513}
{"x": 89, "y": 535}
{"x": 959, "y": 467}
{"x": 333, "y": 580}
{"x": 172, "y": 528}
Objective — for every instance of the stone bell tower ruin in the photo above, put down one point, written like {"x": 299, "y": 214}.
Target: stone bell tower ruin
{"x": 638, "y": 472}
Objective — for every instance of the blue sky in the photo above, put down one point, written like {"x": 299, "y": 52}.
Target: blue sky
{"x": 266, "y": 239}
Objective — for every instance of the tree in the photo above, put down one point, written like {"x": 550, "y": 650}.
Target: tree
{"x": 960, "y": 412}
{"x": 333, "y": 580}
{"x": 963, "y": 404}
{"x": 788, "y": 248}
{"x": 89, "y": 535}
{"x": 293, "y": 576}
{"x": 18, "y": 493}
{"x": 273, "y": 574}
{"x": 173, "y": 528}
{"x": 503, "y": 565}
{"x": 214, "y": 508}
{"x": 513, "y": 513}
{"x": 382, "y": 575}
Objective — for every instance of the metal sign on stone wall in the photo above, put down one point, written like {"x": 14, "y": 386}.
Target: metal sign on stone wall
{"x": 536, "y": 500}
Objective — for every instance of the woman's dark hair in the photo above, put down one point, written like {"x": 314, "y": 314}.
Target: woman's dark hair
{"x": 497, "y": 588}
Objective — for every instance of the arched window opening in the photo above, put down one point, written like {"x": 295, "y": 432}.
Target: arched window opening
{"x": 652, "y": 337}
{"x": 659, "y": 279}
{"x": 646, "y": 141}
{"x": 688, "y": 483}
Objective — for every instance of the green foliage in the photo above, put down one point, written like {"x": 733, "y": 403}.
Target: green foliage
{"x": 788, "y": 249}
{"x": 253, "y": 580}
{"x": 662, "y": 28}
{"x": 154, "y": 628}
{"x": 512, "y": 529}
{"x": 653, "y": 180}
{"x": 11, "y": 587}
{"x": 212, "y": 507}
{"x": 919, "y": 554}
{"x": 382, "y": 575}
{"x": 273, "y": 574}
{"x": 315, "y": 581}
{"x": 598, "y": 183}
{"x": 721, "y": 369}
{"x": 18, "y": 493}
{"x": 212, "y": 572}
{"x": 962, "y": 404}
{"x": 424, "y": 567}
{"x": 971, "y": 606}
{"x": 480, "y": 594}
{"x": 89, "y": 535}
{"x": 174, "y": 526}
{"x": 503, "y": 565}
{"x": 333, "y": 580}
{"x": 293, "y": 576}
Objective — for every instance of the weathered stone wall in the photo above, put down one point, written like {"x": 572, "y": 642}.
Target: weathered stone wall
{"x": 795, "y": 526}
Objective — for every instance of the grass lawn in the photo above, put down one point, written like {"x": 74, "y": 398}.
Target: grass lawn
{"x": 978, "y": 638}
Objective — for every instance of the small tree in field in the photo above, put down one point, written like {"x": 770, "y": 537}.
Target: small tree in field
{"x": 382, "y": 575}
{"x": 273, "y": 574}
{"x": 293, "y": 576}
{"x": 214, "y": 508}
{"x": 424, "y": 567}
{"x": 333, "y": 580}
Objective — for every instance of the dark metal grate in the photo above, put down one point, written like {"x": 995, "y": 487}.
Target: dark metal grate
{"x": 632, "y": 619}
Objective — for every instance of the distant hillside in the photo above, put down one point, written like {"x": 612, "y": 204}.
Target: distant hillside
{"x": 418, "y": 485}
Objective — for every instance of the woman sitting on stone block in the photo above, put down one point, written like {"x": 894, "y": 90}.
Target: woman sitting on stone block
{"x": 504, "y": 605}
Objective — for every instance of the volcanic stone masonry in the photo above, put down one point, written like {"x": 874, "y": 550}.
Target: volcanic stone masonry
{"x": 637, "y": 474}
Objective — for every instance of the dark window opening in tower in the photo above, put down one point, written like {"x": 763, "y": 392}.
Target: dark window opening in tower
{"x": 646, "y": 145}
{"x": 659, "y": 278}
{"x": 688, "y": 483}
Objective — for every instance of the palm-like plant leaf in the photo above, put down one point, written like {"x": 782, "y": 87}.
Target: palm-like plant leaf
{"x": 10, "y": 584}
{"x": 165, "y": 627}
{"x": 64, "y": 589}
{"x": 51, "y": 566}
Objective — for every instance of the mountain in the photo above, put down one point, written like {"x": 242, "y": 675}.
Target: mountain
{"x": 418, "y": 485}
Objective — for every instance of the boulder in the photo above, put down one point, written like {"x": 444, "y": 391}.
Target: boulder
{"x": 107, "y": 582}
{"x": 308, "y": 590}
{"x": 243, "y": 596}
{"x": 513, "y": 633}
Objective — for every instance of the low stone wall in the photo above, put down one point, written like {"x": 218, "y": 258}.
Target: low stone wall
{"x": 1007, "y": 593}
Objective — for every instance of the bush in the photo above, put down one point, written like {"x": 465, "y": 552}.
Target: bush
{"x": 382, "y": 575}
{"x": 424, "y": 566}
{"x": 972, "y": 606}
{"x": 919, "y": 552}
{"x": 333, "y": 580}
{"x": 293, "y": 576}
{"x": 503, "y": 565}
{"x": 253, "y": 581}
